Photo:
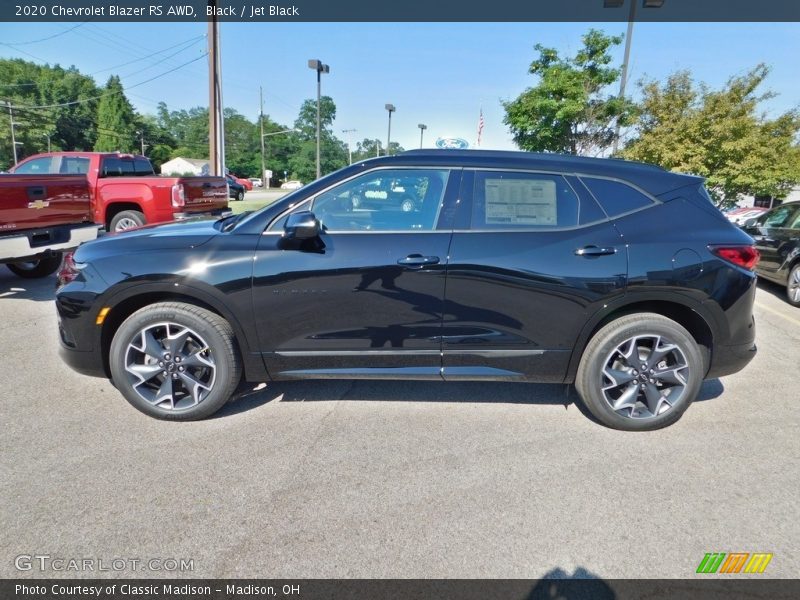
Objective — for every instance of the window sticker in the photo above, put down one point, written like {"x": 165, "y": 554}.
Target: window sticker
{"x": 521, "y": 202}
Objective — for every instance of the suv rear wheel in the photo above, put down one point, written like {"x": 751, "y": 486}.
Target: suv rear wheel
{"x": 175, "y": 361}
{"x": 640, "y": 372}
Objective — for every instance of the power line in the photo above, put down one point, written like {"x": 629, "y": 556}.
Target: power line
{"x": 130, "y": 62}
{"x": 44, "y": 39}
{"x": 189, "y": 41}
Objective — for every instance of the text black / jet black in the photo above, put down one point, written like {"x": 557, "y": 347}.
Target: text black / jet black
{"x": 620, "y": 277}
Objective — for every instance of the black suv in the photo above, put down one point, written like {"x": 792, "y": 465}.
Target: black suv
{"x": 620, "y": 277}
{"x": 777, "y": 236}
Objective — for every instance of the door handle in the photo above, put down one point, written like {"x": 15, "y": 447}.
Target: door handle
{"x": 417, "y": 260}
{"x": 36, "y": 193}
{"x": 594, "y": 251}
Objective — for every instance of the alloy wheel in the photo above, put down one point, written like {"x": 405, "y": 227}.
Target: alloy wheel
{"x": 125, "y": 223}
{"x": 793, "y": 288}
{"x": 644, "y": 377}
{"x": 170, "y": 366}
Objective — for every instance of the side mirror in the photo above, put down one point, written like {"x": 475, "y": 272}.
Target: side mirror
{"x": 751, "y": 222}
{"x": 301, "y": 226}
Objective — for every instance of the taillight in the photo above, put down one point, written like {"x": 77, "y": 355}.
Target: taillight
{"x": 741, "y": 256}
{"x": 68, "y": 270}
{"x": 178, "y": 196}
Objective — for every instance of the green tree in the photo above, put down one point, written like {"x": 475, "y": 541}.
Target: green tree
{"x": 116, "y": 120}
{"x": 568, "y": 109}
{"x": 370, "y": 148}
{"x": 718, "y": 134}
{"x": 50, "y": 102}
{"x": 333, "y": 151}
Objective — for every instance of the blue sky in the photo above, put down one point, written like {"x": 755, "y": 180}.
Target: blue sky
{"x": 439, "y": 74}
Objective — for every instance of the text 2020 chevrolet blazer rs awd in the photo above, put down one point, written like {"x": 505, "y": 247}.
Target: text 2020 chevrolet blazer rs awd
{"x": 620, "y": 277}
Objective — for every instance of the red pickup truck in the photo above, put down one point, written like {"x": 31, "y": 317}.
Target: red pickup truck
{"x": 125, "y": 191}
{"x": 40, "y": 216}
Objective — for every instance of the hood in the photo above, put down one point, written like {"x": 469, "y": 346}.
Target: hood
{"x": 167, "y": 236}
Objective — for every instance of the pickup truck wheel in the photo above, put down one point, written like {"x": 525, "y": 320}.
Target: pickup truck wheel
{"x": 175, "y": 361}
{"x": 240, "y": 195}
{"x": 35, "y": 269}
{"x": 640, "y": 372}
{"x": 127, "y": 219}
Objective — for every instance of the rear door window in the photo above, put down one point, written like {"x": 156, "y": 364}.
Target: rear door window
{"x": 616, "y": 197}
{"x": 74, "y": 165}
{"x": 515, "y": 200}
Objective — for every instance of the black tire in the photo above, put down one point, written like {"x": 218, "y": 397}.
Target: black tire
{"x": 793, "y": 286}
{"x": 632, "y": 332}
{"x": 126, "y": 219}
{"x": 240, "y": 195}
{"x": 212, "y": 339}
{"x": 35, "y": 269}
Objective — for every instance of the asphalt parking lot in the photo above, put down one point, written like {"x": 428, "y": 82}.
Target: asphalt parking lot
{"x": 384, "y": 479}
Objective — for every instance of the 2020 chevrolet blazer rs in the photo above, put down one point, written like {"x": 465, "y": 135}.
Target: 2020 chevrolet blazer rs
{"x": 619, "y": 277}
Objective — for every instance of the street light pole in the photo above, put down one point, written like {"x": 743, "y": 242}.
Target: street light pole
{"x": 349, "y": 133}
{"x": 261, "y": 123}
{"x": 391, "y": 109}
{"x": 320, "y": 69}
{"x": 627, "y": 56}
{"x": 422, "y": 128}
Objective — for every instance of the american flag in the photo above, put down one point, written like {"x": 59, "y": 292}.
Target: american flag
{"x": 480, "y": 127}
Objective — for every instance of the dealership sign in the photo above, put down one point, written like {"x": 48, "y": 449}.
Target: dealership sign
{"x": 452, "y": 143}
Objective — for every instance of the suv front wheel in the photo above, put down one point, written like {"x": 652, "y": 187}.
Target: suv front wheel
{"x": 175, "y": 361}
{"x": 640, "y": 372}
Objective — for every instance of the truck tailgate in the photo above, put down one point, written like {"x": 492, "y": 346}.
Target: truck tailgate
{"x": 34, "y": 201}
{"x": 203, "y": 194}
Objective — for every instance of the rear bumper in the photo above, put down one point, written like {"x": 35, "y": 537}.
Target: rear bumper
{"x": 727, "y": 360}
{"x": 36, "y": 242}
{"x": 218, "y": 212}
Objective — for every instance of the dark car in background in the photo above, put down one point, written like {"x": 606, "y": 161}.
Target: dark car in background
{"x": 382, "y": 193}
{"x": 619, "y": 277}
{"x": 777, "y": 237}
{"x": 235, "y": 189}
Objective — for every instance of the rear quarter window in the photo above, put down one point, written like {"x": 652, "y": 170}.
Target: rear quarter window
{"x": 616, "y": 197}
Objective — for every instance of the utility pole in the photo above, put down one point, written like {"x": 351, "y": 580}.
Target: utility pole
{"x": 216, "y": 124}
{"x": 47, "y": 135}
{"x": 13, "y": 135}
{"x": 349, "y": 133}
{"x": 422, "y": 128}
{"x": 264, "y": 181}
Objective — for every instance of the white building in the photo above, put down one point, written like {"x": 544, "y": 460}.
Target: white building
{"x": 185, "y": 166}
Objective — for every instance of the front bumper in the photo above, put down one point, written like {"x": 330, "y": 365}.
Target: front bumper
{"x": 85, "y": 363}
